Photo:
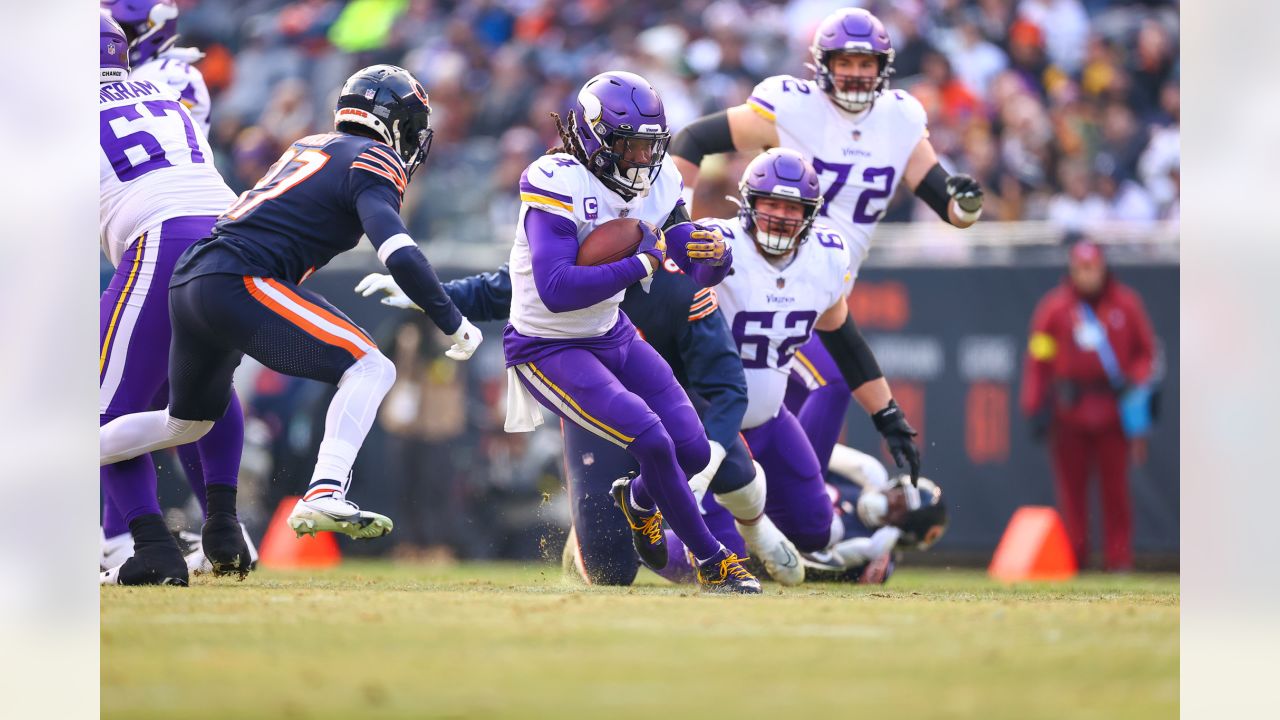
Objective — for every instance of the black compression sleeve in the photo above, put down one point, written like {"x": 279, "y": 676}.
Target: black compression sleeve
{"x": 933, "y": 190}
{"x": 852, "y": 353}
{"x": 709, "y": 135}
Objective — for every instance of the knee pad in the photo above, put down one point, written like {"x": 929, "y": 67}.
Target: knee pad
{"x": 187, "y": 431}
{"x": 374, "y": 365}
{"x": 747, "y": 502}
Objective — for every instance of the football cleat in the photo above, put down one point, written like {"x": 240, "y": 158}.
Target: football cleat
{"x": 724, "y": 573}
{"x": 225, "y": 547}
{"x": 115, "y": 550}
{"x": 155, "y": 564}
{"x": 334, "y": 513}
{"x": 646, "y": 528}
{"x": 198, "y": 564}
{"x": 778, "y": 554}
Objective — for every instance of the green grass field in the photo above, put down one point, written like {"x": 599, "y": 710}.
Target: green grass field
{"x": 380, "y": 640}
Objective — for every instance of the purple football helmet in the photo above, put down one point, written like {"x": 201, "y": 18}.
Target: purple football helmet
{"x": 114, "y": 54}
{"x": 150, "y": 25}
{"x": 851, "y": 30}
{"x": 778, "y": 174}
{"x": 620, "y": 121}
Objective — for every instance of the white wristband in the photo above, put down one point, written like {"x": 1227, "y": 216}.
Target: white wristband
{"x": 964, "y": 215}
{"x": 647, "y": 259}
{"x": 717, "y": 457}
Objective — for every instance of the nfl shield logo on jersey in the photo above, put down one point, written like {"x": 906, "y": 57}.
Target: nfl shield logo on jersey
{"x": 782, "y": 282}
{"x": 857, "y": 134}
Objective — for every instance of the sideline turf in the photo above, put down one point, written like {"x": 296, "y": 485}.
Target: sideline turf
{"x": 379, "y": 640}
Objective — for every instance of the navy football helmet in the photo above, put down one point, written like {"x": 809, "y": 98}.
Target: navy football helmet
{"x": 389, "y": 101}
{"x": 918, "y": 512}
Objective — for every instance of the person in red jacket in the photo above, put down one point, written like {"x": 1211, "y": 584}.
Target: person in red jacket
{"x": 1087, "y": 382}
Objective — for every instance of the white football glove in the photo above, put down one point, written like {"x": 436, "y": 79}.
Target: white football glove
{"x": 465, "y": 341}
{"x": 699, "y": 483}
{"x": 379, "y": 282}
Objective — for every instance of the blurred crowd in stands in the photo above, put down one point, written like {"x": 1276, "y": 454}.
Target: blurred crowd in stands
{"x": 1066, "y": 110}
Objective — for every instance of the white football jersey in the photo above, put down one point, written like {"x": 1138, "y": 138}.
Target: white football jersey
{"x": 173, "y": 68}
{"x": 155, "y": 164}
{"x": 772, "y": 309}
{"x": 860, "y": 159}
{"x": 559, "y": 184}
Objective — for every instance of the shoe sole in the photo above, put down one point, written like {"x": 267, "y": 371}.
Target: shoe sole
{"x": 309, "y": 522}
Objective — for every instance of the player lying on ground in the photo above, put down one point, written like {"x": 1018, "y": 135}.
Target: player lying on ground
{"x": 862, "y": 139}
{"x": 237, "y": 292}
{"x": 150, "y": 213}
{"x": 570, "y": 347}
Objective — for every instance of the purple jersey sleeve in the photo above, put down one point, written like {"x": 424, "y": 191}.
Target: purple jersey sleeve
{"x": 562, "y": 285}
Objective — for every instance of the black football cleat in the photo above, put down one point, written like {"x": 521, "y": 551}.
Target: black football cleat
{"x": 724, "y": 573}
{"x": 223, "y": 543}
{"x": 151, "y": 564}
{"x": 646, "y": 529}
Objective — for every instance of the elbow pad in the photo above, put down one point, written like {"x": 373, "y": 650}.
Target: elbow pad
{"x": 708, "y": 135}
{"x": 851, "y": 353}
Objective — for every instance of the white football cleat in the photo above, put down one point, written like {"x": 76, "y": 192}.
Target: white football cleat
{"x": 198, "y": 564}
{"x": 337, "y": 514}
{"x": 115, "y": 550}
{"x": 768, "y": 545}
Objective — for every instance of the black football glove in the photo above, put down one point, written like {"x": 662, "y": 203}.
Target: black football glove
{"x": 898, "y": 434}
{"x": 966, "y": 192}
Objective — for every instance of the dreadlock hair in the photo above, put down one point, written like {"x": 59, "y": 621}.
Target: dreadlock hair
{"x": 569, "y": 144}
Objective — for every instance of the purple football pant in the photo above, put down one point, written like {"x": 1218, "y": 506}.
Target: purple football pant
{"x": 628, "y": 396}
{"x": 797, "y": 500}
{"x": 819, "y": 398}
{"x": 133, "y": 339}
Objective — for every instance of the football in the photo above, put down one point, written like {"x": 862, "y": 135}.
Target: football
{"x": 611, "y": 242}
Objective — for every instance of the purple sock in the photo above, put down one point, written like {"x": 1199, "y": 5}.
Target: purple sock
{"x": 113, "y": 523}
{"x": 131, "y": 487}
{"x": 662, "y": 480}
{"x": 189, "y": 454}
{"x": 678, "y": 569}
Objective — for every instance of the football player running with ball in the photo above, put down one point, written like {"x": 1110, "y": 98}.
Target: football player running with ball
{"x": 862, "y": 139}
{"x": 237, "y": 292}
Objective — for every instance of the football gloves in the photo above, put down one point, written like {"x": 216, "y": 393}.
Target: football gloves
{"x": 898, "y": 434}
{"x": 654, "y": 244}
{"x": 966, "y": 192}
{"x": 465, "y": 339}
{"x": 380, "y": 282}
{"x": 707, "y": 246}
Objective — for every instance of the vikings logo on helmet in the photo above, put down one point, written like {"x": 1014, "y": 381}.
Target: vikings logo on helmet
{"x": 851, "y": 30}
{"x": 621, "y": 129}
{"x": 779, "y": 174}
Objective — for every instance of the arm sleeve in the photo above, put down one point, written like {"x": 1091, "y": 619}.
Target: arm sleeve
{"x": 563, "y": 285}
{"x": 851, "y": 353}
{"x": 709, "y": 135}
{"x": 410, "y": 268}
{"x": 486, "y": 296}
{"x": 1037, "y": 368}
{"x": 715, "y": 371}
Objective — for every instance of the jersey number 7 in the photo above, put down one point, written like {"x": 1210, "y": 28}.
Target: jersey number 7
{"x": 292, "y": 168}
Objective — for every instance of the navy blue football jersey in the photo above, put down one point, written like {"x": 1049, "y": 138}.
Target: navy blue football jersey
{"x": 302, "y": 213}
